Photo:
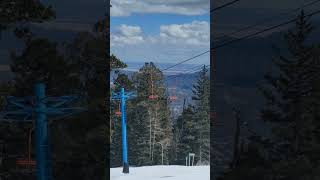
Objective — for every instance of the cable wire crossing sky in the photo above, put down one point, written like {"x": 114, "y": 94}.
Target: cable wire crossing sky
{"x": 160, "y": 31}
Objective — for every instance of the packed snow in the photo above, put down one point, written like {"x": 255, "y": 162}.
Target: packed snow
{"x": 162, "y": 173}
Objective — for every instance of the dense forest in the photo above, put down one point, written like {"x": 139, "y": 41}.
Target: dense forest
{"x": 76, "y": 143}
{"x": 291, "y": 110}
{"x": 151, "y": 125}
{"x": 80, "y": 67}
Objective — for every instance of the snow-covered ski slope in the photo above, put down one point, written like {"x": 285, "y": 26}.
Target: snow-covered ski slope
{"x": 162, "y": 173}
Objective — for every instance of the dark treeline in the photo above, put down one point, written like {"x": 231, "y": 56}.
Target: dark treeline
{"x": 77, "y": 143}
{"x": 291, "y": 151}
{"x": 79, "y": 67}
{"x": 151, "y": 126}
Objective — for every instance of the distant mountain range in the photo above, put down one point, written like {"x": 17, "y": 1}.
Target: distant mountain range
{"x": 177, "y": 78}
{"x": 174, "y": 69}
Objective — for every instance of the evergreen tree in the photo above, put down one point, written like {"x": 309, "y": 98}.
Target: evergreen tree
{"x": 154, "y": 117}
{"x": 286, "y": 95}
{"x": 138, "y": 139}
{"x": 185, "y": 133}
{"x": 314, "y": 103}
{"x": 192, "y": 128}
{"x": 292, "y": 109}
{"x": 116, "y": 63}
{"x": 69, "y": 72}
{"x": 13, "y": 12}
{"x": 201, "y": 91}
{"x": 41, "y": 62}
{"x": 87, "y": 56}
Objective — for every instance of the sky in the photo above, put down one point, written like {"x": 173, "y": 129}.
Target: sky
{"x": 250, "y": 12}
{"x": 175, "y": 30}
{"x": 160, "y": 31}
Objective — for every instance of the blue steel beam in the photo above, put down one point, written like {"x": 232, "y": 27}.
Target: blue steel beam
{"x": 122, "y": 96}
{"x": 124, "y": 133}
{"x": 22, "y": 109}
{"x": 41, "y": 126}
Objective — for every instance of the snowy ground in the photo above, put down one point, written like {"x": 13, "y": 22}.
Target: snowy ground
{"x": 162, "y": 173}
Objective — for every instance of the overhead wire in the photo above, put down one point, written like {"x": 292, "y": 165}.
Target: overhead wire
{"x": 266, "y": 20}
{"x": 184, "y": 61}
{"x": 215, "y": 9}
{"x": 212, "y": 10}
{"x": 262, "y": 31}
{"x": 188, "y": 71}
{"x": 241, "y": 39}
{"x": 224, "y": 5}
{"x": 228, "y": 42}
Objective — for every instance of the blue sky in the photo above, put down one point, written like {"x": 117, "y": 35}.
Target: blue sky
{"x": 160, "y": 31}
{"x": 155, "y": 20}
{"x": 150, "y": 15}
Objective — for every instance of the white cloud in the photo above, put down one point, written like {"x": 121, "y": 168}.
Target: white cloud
{"x": 175, "y": 42}
{"x": 195, "y": 33}
{"x": 130, "y": 30}
{"x": 127, "y": 35}
{"x": 182, "y": 7}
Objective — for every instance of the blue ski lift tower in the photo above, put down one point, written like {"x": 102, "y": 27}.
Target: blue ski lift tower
{"x": 123, "y": 96}
{"x": 23, "y": 109}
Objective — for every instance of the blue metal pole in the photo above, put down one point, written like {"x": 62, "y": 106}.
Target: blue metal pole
{"x": 41, "y": 133}
{"x": 124, "y": 133}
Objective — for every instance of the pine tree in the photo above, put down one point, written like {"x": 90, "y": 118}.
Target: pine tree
{"x": 292, "y": 109}
{"x": 84, "y": 55}
{"x": 41, "y": 61}
{"x": 149, "y": 82}
{"x": 138, "y": 131}
{"x": 286, "y": 97}
{"x": 116, "y": 63}
{"x": 186, "y": 135}
{"x": 14, "y": 11}
{"x": 201, "y": 91}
